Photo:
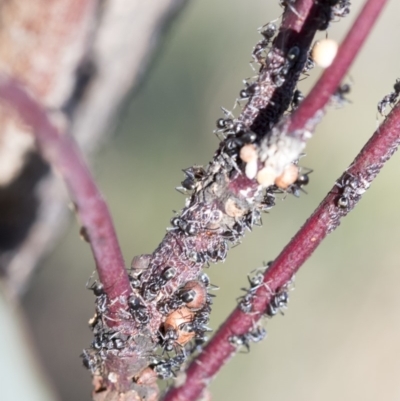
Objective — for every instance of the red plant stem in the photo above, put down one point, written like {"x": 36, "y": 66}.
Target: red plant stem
{"x": 291, "y": 19}
{"x": 324, "y": 220}
{"x": 333, "y": 75}
{"x": 61, "y": 152}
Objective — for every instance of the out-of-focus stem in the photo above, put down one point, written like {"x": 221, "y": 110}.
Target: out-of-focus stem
{"x": 62, "y": 153}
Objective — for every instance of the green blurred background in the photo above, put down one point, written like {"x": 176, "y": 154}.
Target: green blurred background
{"x": 340, "y": 336}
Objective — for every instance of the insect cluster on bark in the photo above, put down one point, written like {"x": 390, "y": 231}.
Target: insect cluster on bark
{"x": 167, "y": 313}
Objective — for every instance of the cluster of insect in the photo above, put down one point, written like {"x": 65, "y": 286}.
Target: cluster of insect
{"x": 351, "y": 188}
{"x": 185, "y": 314}
{"x": 168, "y": 311}
{"x": 185, "y": 326}
{"x": 241, "y": 136}
{"x": 279, "y": 299}
{"x": 277, "y": 304}
{"x": 390, "y": 99}
{"x": 239, "y": 147}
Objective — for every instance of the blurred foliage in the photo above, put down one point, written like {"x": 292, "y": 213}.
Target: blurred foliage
{"x": 339, "y": 337}
{"x": 19, "y": 364}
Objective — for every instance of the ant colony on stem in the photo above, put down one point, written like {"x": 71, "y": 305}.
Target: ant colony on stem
{"x": 165, "y": 321}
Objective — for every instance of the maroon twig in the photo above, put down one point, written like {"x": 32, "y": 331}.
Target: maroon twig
{"x": 61, "y": 151}
{"x": 333, "y": 75}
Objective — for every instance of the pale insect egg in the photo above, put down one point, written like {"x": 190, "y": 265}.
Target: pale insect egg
{"x": 266, "y": 176}
{"x": 324, "y": 52}
{"x": 248, "y": 153}
{"x": 251, "y": 169}
{"x": 288, "y": 177}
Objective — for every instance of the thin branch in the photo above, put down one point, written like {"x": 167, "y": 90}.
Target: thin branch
{"x": 351, "y": 185}
{"x": 333, "y": 75}
{"x": 62, "y": 153}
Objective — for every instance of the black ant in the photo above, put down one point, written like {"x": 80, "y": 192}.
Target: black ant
{"x": 153, "y": 287}
{"x": 255, "y": 335}
{"x": 352, "y": 189}
{"x": 138, "y": 311}
{"x": 390, "y": 99}
{"x": 193, "y": 174}
{"x": 298, "y": 97}
{"x": 277, "y": 303}
{"x": 165, "y": 369}
{"x": 188, "y": 228}
{"x": 268, "y": 31}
